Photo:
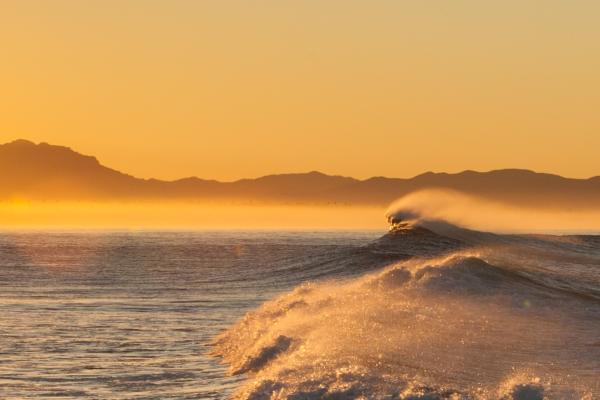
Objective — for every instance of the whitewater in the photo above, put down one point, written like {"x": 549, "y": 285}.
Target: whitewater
{"x": 430, "y": 310}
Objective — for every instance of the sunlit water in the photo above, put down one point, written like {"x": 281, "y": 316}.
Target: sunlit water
{"x": 129, "y": 315}
{"x": 427, "y": 311}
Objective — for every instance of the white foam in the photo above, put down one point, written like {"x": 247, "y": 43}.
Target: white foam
{"x": 453, "y": 327}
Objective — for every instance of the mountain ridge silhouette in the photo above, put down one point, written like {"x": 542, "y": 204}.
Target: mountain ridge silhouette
{"x": 55, "y": 173}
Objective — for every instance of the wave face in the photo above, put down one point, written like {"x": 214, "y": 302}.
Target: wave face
{"x": 455, "y": 314}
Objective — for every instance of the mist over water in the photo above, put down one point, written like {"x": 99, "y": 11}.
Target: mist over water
{"x": 186, "y": 215}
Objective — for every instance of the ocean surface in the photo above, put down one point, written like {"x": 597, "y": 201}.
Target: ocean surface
{"x": 426, "y": 311}
{"x": 129, "y": 315}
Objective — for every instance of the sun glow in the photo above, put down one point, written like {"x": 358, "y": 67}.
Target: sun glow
{"x": 174, "y": 215}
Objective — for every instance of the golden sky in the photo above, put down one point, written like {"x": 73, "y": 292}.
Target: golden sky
{"x": 230, "y": 89}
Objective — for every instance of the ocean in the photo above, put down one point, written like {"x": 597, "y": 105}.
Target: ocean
{"x": 130, "y": 315}
{"x": 420, "y": 312}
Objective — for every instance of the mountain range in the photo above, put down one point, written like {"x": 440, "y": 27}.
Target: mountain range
{"x": 44, "y": 172}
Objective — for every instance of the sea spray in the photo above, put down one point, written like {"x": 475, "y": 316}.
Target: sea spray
{"x": 444, "y": 206}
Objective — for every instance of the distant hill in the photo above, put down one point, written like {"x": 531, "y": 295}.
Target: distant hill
{"x": 46, "y": 172}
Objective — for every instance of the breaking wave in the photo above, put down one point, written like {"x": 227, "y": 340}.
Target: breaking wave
{"x": 455, "y": 314}
{"x": 456, "y": 208}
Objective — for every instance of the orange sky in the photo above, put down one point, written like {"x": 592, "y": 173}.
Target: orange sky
{"x": 230, "y": 89}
